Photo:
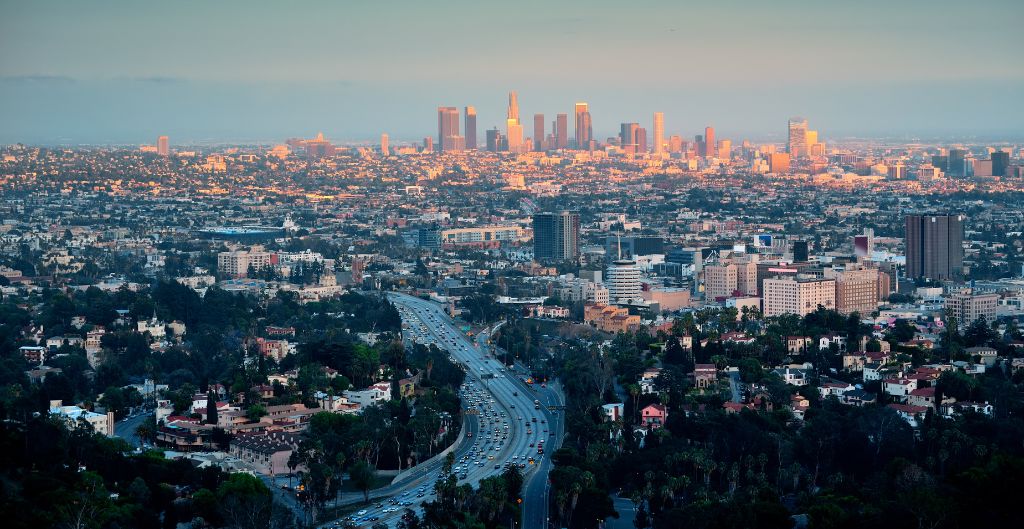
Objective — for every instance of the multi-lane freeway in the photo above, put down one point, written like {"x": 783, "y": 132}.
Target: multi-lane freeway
{"x": 507, "y": 421}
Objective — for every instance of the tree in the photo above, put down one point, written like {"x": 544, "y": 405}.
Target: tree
{"x": 244, "y": 502}
{"x": 361, "y": 474}
{"x": 211, "y": 407}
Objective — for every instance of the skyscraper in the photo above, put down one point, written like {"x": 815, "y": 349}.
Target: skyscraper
{"x": 627, "y": 137}
{"x": 163, "y": 146}
{"x": 659, "y": 132}
{"x": 1000, "y": 161}
{"x": 561, "y": 131}
{"x": 494, "y": 140}
{"x": 584, "y": 128}
{"x": 514, "y": 129}
{"x": 448, "y": 138}
{"x": 957, "y": 163}
{"x": 471, "y": 128}
{"x": 556, "y": 236}
{"x": 538, "y": 132}
{"x": 934, "y": 246}
{"x": 384, "y": 149}
{"x": 640, "y": 140}
{"x": 796, "y": 146}
{"x": 709, "y": 142}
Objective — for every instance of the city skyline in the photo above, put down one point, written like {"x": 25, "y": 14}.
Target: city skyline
{"x": 87, "y": 86}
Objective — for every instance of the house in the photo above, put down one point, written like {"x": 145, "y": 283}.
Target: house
{"x": 798, "y": 405}
{"x": 956, "y": 408}
{"x": 912, "y": 414}
{"x": 737, "y": 337}
{"x": 854, "y": 362}
{"x": 736, "y": 407}
{"x": 610, "y": 319}
{"x": 858, "y": 397}
{"x": 705, "y": 375}
{"x": 335, "y": 403}
{"x": 33, "y": 354}
{"x": 983, "y": 355}
{"x": 101, "y": 423}
{"x": 873, "y": 371}
{"x": 376, "y": 393}
{"x": 647, "y": 380}
{"x": 826, "y": 341}
{"x": 795, "y": 374}
{"x": 899, "y": 388}
{"x": 613, "y": 412}
{"x": 922, "y": 397}
{"x": 653, "y": 416}
{"x": 798, "y": 344}
{"x": 835, "y": 389}
{"x": 267, "y": 454}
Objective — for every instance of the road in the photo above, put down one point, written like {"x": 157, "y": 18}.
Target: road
{"x": 536, "y": 487}
{"x": 734, "y": 386}
{"x": 499, "y": 399}
{"x": 125, "y": 429}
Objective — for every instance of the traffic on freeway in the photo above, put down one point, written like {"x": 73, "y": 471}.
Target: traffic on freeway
{"x": 507, "y": 423}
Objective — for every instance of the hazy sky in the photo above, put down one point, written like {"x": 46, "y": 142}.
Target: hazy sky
{"x": 208, "y": 71}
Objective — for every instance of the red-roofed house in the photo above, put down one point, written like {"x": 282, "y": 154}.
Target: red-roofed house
{"x": 912, "y": 414}
{"x": 922, "y": 397}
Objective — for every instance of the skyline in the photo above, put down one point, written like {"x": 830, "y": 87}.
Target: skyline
{"x": 117, "y": 75}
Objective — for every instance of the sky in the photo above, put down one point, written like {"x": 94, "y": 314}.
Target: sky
{"x": 107, "y": 72}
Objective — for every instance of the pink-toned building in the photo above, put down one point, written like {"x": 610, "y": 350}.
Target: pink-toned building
{"x": 653, "y": 416}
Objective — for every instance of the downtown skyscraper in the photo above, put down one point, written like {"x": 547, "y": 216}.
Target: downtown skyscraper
{"x": 584, "y": 127}
{"x": 709, "y": 142}
{"x": 659, "y": 132}
{"x": 514, "y": 129}
{"x": 796, "y": 145}
{"x": 561, "y": 131}
{"x": 538, "y": 132}
{"x": 448, "y": 138}
{"x": 470, "y": 128}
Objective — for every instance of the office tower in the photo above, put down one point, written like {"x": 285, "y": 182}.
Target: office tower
{"x": 659, "y": 132}
{"x": 640, "y": 140}
{"x": 957, "y": 163}
{"x": 561, "y": 131}
{"x": 675, "y": 143}
{"x": 538, "y": 132}
{"x": 941, "y": 162}
{"x": 471, "y": 128}
{"x": 934, "y": 246}
{"x": 778, "y": 162}
{"x": 856, "y": 289}
{"x": 709, "y": 142}
{"x": 556, "y": 236}
{"x": 384, "y": 149}
{"x": 798, "y": 296}
{"x": 163, "y": 146}
{"x": 797, "y": 144}
{"x": 800, "y": 252}
{"x": 862, "y": 246}
{"x": 968, "y": 307}
{"x": 720, "y": 281}
{"x": 1000, "y": 161}
{"x": 622, "y": 279}
{"x": 632, "y": 246}
{"x": 494, "y": 140}
{"x": 428, "y": 144}
{"x": 513, "y": 128}
{"x": 725, "y": 149}
{"x": 448, "y": 138}
{"x": 628, "y": 137}
{"x": 584, "y": 128}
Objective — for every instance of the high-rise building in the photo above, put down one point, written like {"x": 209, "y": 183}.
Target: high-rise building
{"x": 856, "y": 289}
{"x": 538, "y": 132}
{"x": 471, "y": 128}
{"x": 428, "y": 144}
{"x": 934, "y": 246}
{"x": 941, "y": 162}
{"x": 800, "y": 252}
{"x": 725, "y": 149}
{"x": 163, "y": 146}
{"x": 675, "y": 143}
{"x": 448, "y": 138}
{"x": 622, "y": 279}
{"x": 709, "y": 142}
{"x": 561, "y": 131}
{"x": 659, "y": 132}
{"x": 720, "y": 281}
{"x": 627, "y": 137}
{"x": 384, "y": 148}
{"x": 798, "y": 296}
{"x": 495, "y": 141}
{"x": 584, "y": 128}
{"x": 513, "y": 128}
{"x": 778, "y": 162}
{"x": 1000, "y": 161}
{"x": 957, "y": 163}
{"x": 556, "y": 236}
{"x": 797, "y": 144}
{"x": 640, "y": 140}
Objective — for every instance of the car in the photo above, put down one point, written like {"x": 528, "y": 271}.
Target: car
{"x": 361, "y": 513}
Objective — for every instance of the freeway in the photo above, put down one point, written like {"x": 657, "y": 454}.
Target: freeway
{"x": 507, "y": 425}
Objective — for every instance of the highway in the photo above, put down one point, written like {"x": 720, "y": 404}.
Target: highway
{"x": 499, "y": 411}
